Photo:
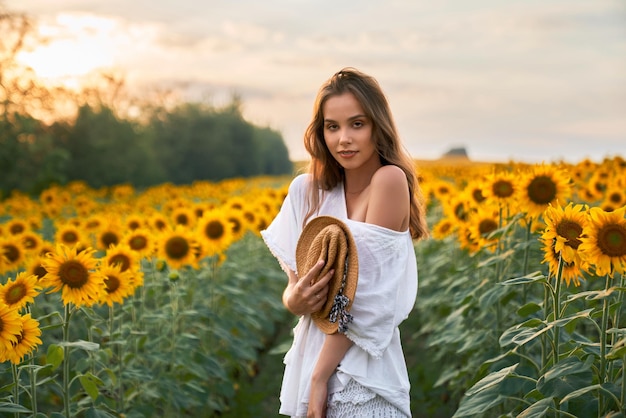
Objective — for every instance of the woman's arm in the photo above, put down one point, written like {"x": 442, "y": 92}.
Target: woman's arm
{"x": 334, "y": 349}
{"x": 301, "y": 297}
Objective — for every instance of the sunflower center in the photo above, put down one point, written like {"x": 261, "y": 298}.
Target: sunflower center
{"x": 138, "y": 243}
{"x": 109, "y": 238}
{"x": 502, "y": 188}
{"x": 460, "y": 212}
{"x": 214, "y": 230}
{"x": 15, "y": 293}
{"x": 612, "y": 240}
{"x": 112, "y": 283}
{"x": 182, "y": 219}
{"x": 542, "y": 190}
{"x": 73, "y": 274}
{"x": 236, "y": 224}
{"x": 616, "y": 197}
{"x": 70, "y": 237}
{"x": 29, "y": 242}
{"x": 486, "y": 226}
{"x": 121, "y": 260}
{"x": 11, "y": 252}
{"x": 133, "y": 225}
{"x": 40, "y": 271}
{"x": 571, "y": 231}
{"x": 478, "y": 196}
{"x": 177, "y": 247}
{"x": 16, "y": 229}
{"x": 160, "y": 225}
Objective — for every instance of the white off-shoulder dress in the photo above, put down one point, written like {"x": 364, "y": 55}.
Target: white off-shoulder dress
{"x": 373, "y": 372}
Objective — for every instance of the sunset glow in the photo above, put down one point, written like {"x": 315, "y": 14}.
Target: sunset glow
{"x": 77, "y": 45}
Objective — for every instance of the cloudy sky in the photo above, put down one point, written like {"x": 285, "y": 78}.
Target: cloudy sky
{"x": 529, "y": 80}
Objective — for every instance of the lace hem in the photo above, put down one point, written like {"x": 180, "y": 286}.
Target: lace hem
{"x": 356, "y": 400}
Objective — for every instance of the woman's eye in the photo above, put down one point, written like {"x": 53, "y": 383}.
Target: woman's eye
{"x": 358, "y": 124}
{"x": 331, "y": 127}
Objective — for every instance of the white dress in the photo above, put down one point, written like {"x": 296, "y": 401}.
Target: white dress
{"x": 385, "y": 295}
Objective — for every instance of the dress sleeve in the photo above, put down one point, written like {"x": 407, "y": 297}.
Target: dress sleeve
{"x": 281, "y": 236}
{"x": 386, "y": 289}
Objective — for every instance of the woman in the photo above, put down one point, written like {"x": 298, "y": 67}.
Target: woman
{"x": 359, "y": 173}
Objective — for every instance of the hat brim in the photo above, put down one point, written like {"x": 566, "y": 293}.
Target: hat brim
{"x": 329, "y": 239}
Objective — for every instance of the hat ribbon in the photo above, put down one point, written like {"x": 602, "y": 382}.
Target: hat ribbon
{"x": 338, "y": 310}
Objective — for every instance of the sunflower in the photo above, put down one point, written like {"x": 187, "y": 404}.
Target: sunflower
{"x": 502, "y": 188}
{"x": 118, "y": 284}
{"x": 158, "y": 222}
{"x": 141, "y": 241}
{"x": 32, "y": 242}
{"x": 184, "y": 216}
{"x": 70, "y": 236}
{"x": 604, "y": 241}
{"x": 615, "y": 197}
{"x": 238, "y": 223}
{"x": 541, "y": 186}
{"x": 564, "y": 229}
{"x": 75, "y": 274}
{"x": 34, "y": 267}
{"x": 134, "y": 221}
{"x": 122, "y": 255}
{"x": 444, "y": 228}
{"x": 16, "y": 226}
{"x": 481, "y": 224}
{"x": 26, "y": 340}
{"x": 178, "y": 246}
{"x": 215, "y": 232}
{"x": 20, "y": 291}
{"x": 108, "y": 235}
{"x": 12, "y": 253}
{"x": 571, "y": 271}
{"x": 10, "y": 326}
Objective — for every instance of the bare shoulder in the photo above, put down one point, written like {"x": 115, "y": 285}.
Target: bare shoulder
{"x": 390, "y": 178}
{"x": 389, "y": 203}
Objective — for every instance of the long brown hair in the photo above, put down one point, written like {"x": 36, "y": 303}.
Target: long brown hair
{"x": 326, "y": 172}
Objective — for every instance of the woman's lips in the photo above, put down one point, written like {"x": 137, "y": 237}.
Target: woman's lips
{"x": 347, "y": 154}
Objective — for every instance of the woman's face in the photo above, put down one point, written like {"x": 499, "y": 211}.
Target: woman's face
{"x": 348, "y": 132}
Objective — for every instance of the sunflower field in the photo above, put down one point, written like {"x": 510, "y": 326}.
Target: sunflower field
{"x": 165, "y": 301}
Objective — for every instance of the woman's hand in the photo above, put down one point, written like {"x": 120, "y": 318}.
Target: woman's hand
{"x": 318, "y": 399}
{"x": 302, "y": 297}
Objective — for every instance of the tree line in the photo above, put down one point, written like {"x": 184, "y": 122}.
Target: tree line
{"x": 102, "y": 145}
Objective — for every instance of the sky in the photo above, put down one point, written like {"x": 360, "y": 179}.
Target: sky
{"x": 523, "y": 80}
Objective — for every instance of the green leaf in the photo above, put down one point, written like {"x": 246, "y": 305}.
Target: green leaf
{"x": 90, "y": 384}
{"x": 85, "y": 345}
{"x": 97, "y": 413}
{"x": 522, "y": 333}
{"x": 477, "y": 405}
{"x": 581, "y": 392}
{"x": 534, "y": 277}
{"x": 567, "y": 366}
{"x": 13, "y": 407}
{"x": 538, "y": 409}
{"x": 54, "y": 356}
{"x": 528, "y": 309}
{"x": 569, "y": 375}
{"x": 491, "y": 379}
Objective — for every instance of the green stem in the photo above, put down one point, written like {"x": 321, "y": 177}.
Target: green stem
{"x": 557, "y": 309}
{"x": 66, "y": 361}
{"x": 16, "y": 388}
{"x": 623, "y": 403}
{"x": 604, "y": 326}
{"x": 602, "y": 378}
{"x": 33, "y": 386}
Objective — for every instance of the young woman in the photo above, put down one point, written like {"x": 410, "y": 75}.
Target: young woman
{"x": 359, "y": 173}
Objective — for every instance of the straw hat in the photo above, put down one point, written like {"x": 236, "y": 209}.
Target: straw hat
{"x": 329, "y": 239}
